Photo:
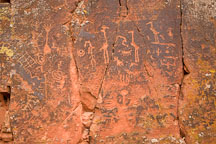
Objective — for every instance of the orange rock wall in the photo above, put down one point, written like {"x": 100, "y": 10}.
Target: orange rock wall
{"x": 108, "y": 71}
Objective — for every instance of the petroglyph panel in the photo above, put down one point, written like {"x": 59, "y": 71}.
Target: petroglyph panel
{"x": 108, "y": 71}
{"x": 142, "y": 64}
{"x": 37, "y": 49}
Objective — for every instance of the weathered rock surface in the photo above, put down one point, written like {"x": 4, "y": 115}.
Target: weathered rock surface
{"x": 197, "y": 111}
{"x": 108, "y": 71}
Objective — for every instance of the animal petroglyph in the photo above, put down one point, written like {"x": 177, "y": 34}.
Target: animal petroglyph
{"x": 154, "y": 31}
{"x": 156, "y": 37}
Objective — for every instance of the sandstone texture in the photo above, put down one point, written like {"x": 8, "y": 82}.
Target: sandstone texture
{"x": 197, "y": 111}
{"x": 108, "y": 71}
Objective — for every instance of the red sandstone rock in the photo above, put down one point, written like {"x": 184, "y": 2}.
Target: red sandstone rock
{"x": 88, "y": 100}
{"x": 2, "y": 113}
{"x": 6, "y": 137}
{"x": 87, "y": 119}
{"x": 108, "y": 71}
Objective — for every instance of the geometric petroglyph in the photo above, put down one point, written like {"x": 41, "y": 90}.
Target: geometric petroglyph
{"x": 26, "y": 61}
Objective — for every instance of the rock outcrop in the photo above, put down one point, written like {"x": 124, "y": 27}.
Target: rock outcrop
{"x": 108, "y": 71}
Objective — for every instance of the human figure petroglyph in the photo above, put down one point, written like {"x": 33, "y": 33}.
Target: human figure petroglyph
{"x": 90, "y": 51}
{"x": 47, "y": 47}
{"x": 122, "y": 97}
{"x": 118, "y": 62}
{"x": 136, "y": 47}
{"x": 105, "y": 45}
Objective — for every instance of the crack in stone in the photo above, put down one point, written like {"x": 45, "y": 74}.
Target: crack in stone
{"x": 107, "y": 66}
{"x": 124, "y": 10}
{"x": 139, "y": 32}
{"x": 103, "y": 78}
{"x": 113, "y": 51}
{"x": 185, "y": 72}
{"x": 120, "y": 3}
{"x": 71, "y": 113}
{"x": 74, "y": 28}
{"x": 6, "y": 131}
{"x": 126, "y": 6}
{"x": 78, "y": 20}
{"x": 69, "y": 22}
{"x": 5, "y": 1}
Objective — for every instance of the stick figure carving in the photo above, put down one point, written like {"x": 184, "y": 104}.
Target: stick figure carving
{"x": 136, "y": 47}
{"x": 47, "y": 48}
{"x": 90, "y": 51}
{"x": 105, "y": 45}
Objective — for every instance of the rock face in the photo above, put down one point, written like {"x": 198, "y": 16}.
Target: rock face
{"x": 108, "y": 71}
{"x": 197, "y": 111}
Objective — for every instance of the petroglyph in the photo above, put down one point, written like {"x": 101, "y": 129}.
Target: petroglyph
{"x": 170, "y": 33}
{"x": 154, "y": 31}
{"x": 124, "y": 41}
{"x": 80, "y": 53}
{"x": 26, "y": 61}
{"x": 57, "y": 75}
{"x": 46, "y": 47}
{"x": 156, "y": 36}
{"x": 90, "y": 51}
{"x": 136, "y": 47}
{"x": 105, "y": 45}
{"x": 118, "y": 62}
{"x": 122, "y": 97}
{"x": 74, "y": 44}
{"x": 125, "y": 53}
